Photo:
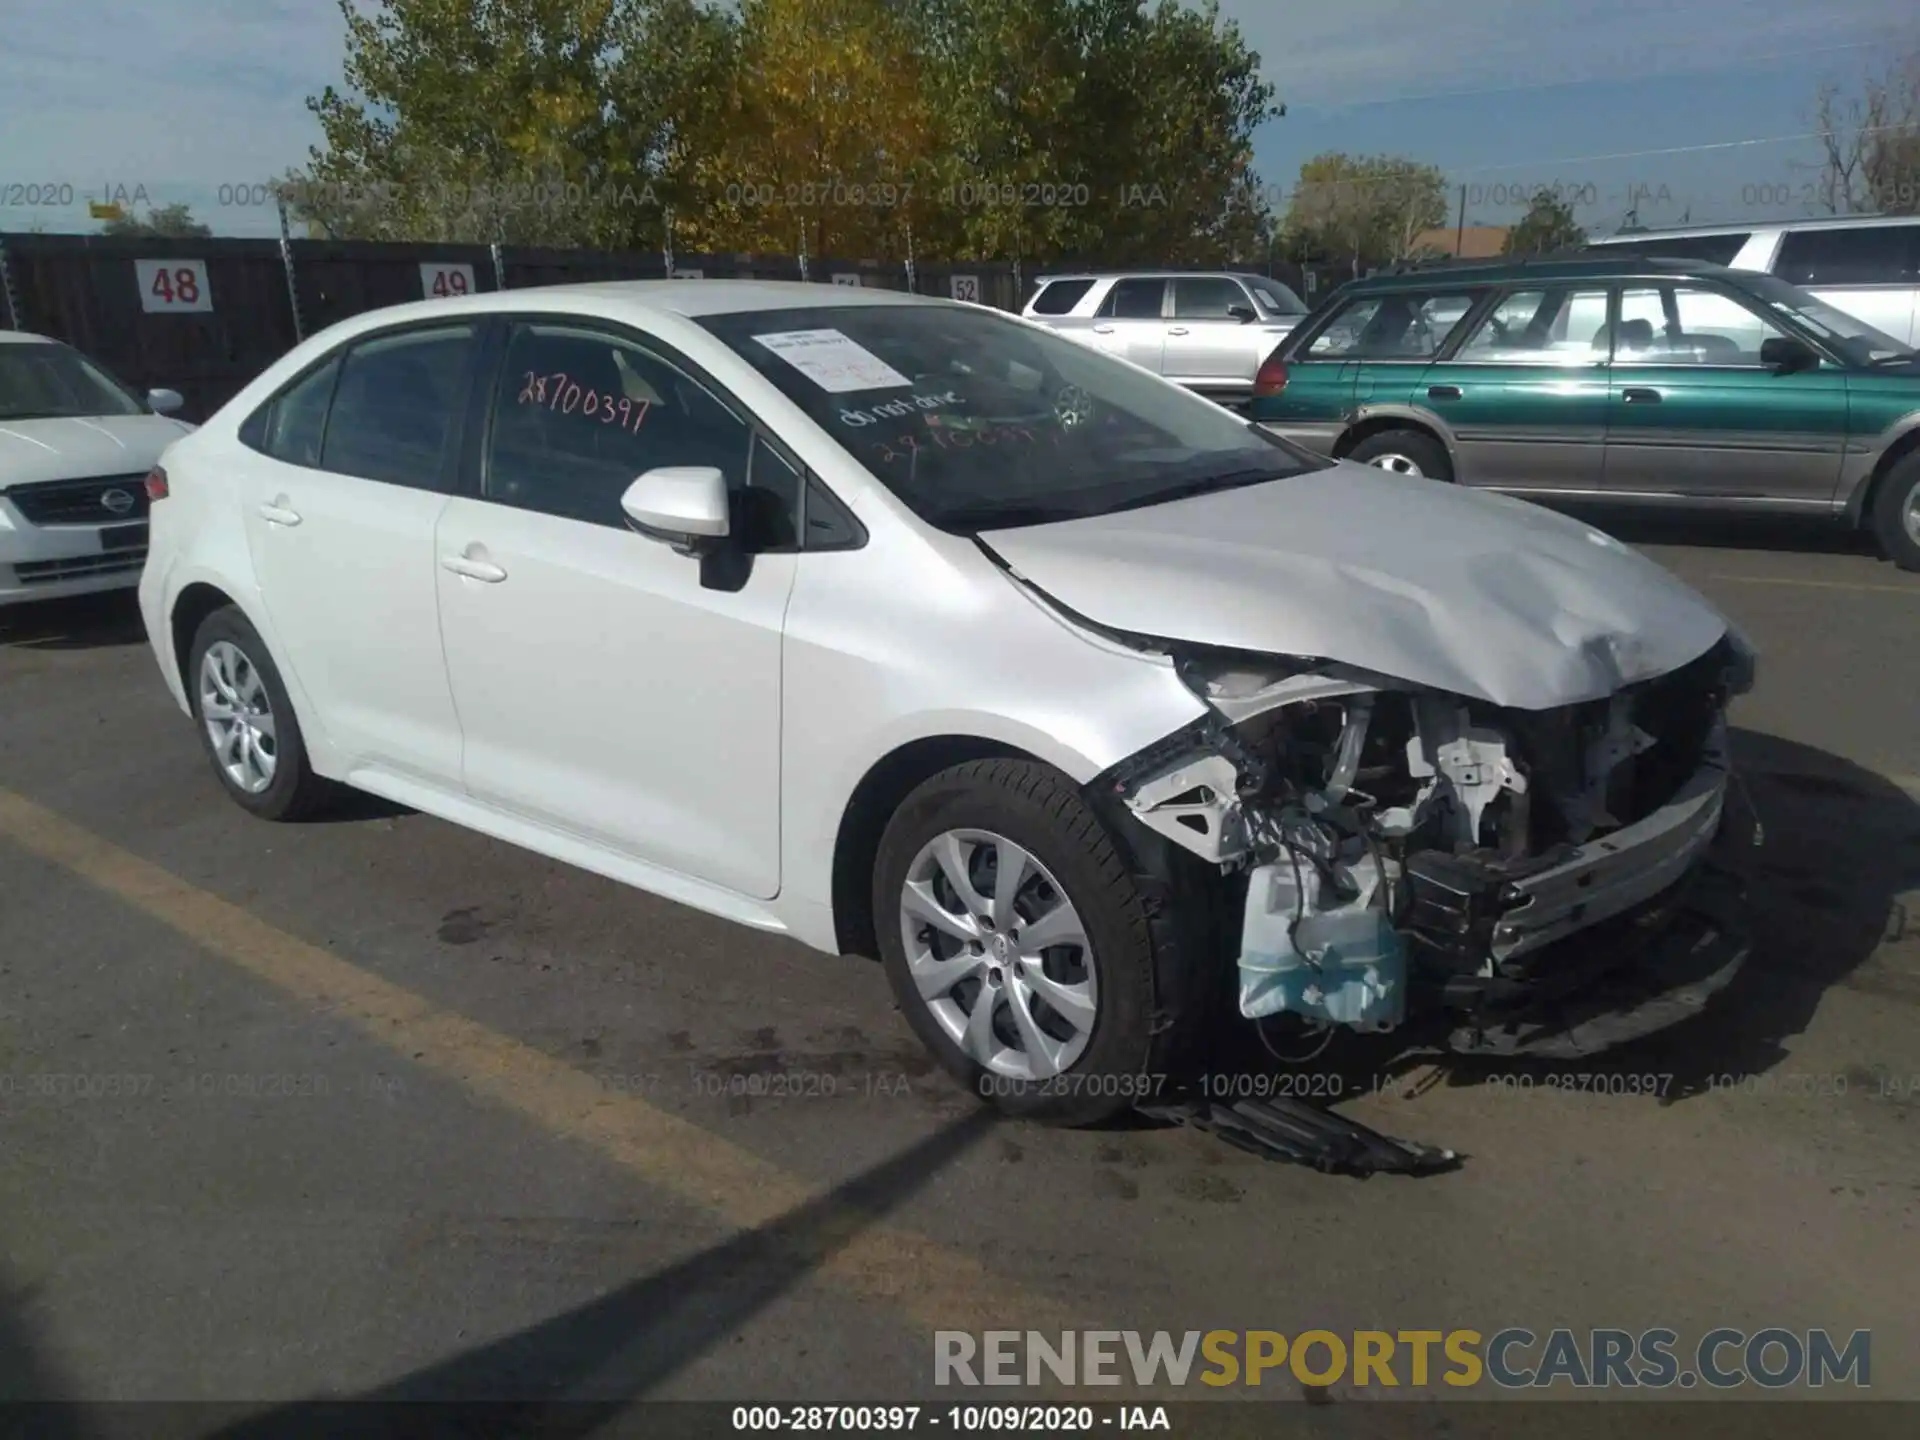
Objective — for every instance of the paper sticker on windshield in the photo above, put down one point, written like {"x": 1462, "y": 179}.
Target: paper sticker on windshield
{"x": 833, "y": 361}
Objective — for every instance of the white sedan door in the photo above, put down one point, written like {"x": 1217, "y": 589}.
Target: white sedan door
{"x": 607, "y": 686}
{"x": 340, "y": 514}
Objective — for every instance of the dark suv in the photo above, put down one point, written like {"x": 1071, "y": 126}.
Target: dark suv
{"x": 1642, "y": 381}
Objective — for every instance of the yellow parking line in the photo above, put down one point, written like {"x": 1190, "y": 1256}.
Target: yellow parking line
{"x": 931, "y": 1283}
{"x": 1913, "y": 590}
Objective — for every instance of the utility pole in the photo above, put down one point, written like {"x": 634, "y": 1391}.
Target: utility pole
{"x": 1460, "y": 229}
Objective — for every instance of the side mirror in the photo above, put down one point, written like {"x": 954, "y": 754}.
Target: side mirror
{"x": 1245, "y": 314}
{"x": 165, "y": 402}
{"x": 684, "y": 506}
{"x": 1785, "y": 355}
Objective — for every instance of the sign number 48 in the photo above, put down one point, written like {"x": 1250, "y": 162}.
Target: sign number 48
{"x": 173, "y": 285}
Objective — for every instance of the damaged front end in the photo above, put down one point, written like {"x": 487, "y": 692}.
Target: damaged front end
{"x": 1541, "y": 878}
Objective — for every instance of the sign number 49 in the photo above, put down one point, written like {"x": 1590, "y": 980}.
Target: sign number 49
{"x": 173, "y": 285}
{"x": 439, "y": 281}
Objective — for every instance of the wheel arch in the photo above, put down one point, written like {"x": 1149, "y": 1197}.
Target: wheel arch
{"x": 1867, "y": 493}
{"x": 888, "y": 781}
{"x": 1378, "y": 422}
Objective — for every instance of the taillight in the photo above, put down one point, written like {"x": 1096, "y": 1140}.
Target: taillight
{"x": 156, "y": 484}
{"x": 1270, "y": 379}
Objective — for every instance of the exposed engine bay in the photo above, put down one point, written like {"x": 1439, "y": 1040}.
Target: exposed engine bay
{"x": 1404, "y": 850}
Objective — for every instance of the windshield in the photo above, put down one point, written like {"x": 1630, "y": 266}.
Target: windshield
{"x": 1855, "y": 339}
{"x": 46, "y": 381}
{"x": 1277, "y": 297}
{"x": 979, "y": 421}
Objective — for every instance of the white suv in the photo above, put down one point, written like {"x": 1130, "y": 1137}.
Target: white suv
{"x": 1868, "y": 266}
{"x": 1208, "y": 332}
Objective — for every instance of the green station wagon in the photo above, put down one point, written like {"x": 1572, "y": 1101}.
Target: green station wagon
{"x": 1643, "y": 382}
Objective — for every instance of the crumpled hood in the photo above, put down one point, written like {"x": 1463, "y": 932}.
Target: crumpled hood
{"x": 1468, "y": 592}
{"x": 77, "y": 449}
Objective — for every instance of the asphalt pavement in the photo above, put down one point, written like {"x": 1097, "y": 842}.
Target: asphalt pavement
{"x": 379, "y": 1107}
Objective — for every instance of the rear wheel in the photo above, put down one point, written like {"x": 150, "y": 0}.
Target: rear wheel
{"x": 1404, "y": 452}
{"x": 246, "y": 721}
{"x": 1017, "y": 944}
{"x": 1896, "y": 513}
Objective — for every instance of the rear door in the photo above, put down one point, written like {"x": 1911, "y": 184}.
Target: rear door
{"x": 358, "y": 462}
{"x": 1131, "y": 322}
{"x": 1870, "y": 271}
{"x": 1525, "y": 394}
{"x": 1693, "y": 412}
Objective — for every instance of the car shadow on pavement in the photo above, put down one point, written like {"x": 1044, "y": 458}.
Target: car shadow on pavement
{"x": 570, "y": 1374}
{"x": 1840, "y": 846}
{"x": 85, "y": 622}
{"x": 1724, "y": 530}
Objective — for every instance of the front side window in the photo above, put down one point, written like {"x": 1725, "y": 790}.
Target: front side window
{"x": 46, "y": 381}
{"x": 1410, "y": 326}
{"x": 1689, "y": 325}
{"x": 979, "y": 422}
{"x": 396, "y": 408}
{"x": 1856, "y": 340}
{"x": 1207, "y": 297}
{"x": 1134, "y": 300}
{"x": 580, "y": 414}
{"x": 1556, "y": 325}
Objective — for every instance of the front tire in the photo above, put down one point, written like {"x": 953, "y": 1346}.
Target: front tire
{"x": 1896, "y": 513}
{"x": 1404, "y": 452}
{"x": 246, "y": 722}
{"x": 1017, "y": 943}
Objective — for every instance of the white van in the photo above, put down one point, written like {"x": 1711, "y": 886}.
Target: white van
{"x": 1868, "y": 266}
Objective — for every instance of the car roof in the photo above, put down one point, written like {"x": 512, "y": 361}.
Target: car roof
{"x": 1501, "y": 272}
{"x": 1051, "y": 276}
{"x": 23, "y": 337}
{"x": 641, "y": 300}
{"x": 1830, "y": 222}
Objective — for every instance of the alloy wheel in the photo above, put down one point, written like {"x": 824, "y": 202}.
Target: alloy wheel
{"x": 1398, "y": 464}
{"x": 999, "y": 954}
{"x": 238, "y": 716}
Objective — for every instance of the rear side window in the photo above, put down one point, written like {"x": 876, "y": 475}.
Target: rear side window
{"x": 1711, "y": 249}
{"x": 1858, "y": 255}
{"x": 1058, "y": 297}
{"x": 296, "y": 421}
{"x": 394, "y": 410}
{"x": 1410, "y": 326}
{"x": 1134, "y": 300}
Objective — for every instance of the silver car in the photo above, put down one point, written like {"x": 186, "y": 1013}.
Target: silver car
{"x": 1207, "y": 331}
{"x": 1868, "y": 266}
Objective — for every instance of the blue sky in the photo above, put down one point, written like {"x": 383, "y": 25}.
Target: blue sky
{"x": 194, "y": 99}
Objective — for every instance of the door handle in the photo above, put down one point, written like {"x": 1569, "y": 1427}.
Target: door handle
{"x": 1640, "y": 395}
{"x": 277, "y": 513}
{"x": 473, "y": 569}
{"x": 1103, "y": 329}
{"x": 1443, "y": 392}
{"x": 1176, "y": 330}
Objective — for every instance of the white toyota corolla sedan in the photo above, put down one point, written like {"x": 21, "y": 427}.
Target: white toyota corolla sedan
{"x": 908, "y": 628}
